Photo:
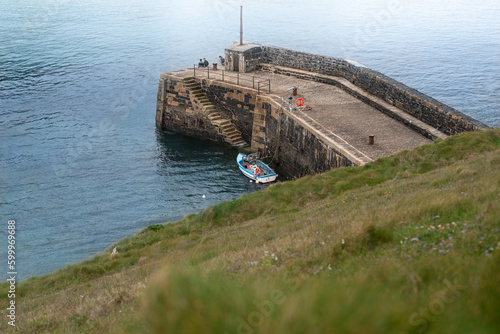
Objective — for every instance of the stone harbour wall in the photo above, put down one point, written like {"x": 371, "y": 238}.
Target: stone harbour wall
{"x": 178, "y": 111}
{"x": 235, "y": 103}
{"x": 299, "y": 151}
{"x": 432, "y": 112}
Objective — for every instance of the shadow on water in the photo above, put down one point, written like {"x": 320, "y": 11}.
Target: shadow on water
{"x": 184, "y": 155}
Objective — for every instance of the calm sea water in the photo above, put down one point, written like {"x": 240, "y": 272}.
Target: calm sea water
{"x": 81, "y": 164}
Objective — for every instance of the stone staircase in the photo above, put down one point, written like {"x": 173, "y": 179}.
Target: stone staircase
{"x": 226, "y": 128}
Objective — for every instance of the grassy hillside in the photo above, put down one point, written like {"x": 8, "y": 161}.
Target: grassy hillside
{"x": 406, "y": 244}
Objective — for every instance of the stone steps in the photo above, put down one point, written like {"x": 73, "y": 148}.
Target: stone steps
{"x": 240, "y": 143}
{"x": 225, "y": 126}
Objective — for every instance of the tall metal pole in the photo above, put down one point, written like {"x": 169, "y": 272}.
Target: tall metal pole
{"x": 241, "y": 25}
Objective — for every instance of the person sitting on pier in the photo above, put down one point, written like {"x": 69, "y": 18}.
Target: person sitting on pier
{"x": 201, "y": 63}
{"x": 222, "y": 61}
{"x": 205, "y": 62}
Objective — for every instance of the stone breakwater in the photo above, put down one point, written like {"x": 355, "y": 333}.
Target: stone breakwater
{"x": 350, "y": 102}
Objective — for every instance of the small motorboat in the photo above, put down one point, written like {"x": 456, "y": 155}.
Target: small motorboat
{"x": 254, "y": 169}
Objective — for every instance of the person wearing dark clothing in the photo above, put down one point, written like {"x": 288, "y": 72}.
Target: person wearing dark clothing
{"x": 221, "y": 60}
{"x": 201, "y": 63}
{"x": 205, "y": 62}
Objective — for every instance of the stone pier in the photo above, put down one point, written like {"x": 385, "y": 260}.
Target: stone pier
{"x": 251, "y": 103}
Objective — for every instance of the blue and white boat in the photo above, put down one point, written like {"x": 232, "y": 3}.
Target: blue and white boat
{"x": 255, "y": 169}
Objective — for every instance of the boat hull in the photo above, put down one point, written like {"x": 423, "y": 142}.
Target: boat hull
{"x": 251, "y": 175}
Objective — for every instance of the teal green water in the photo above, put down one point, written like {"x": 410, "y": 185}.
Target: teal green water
{"x": 81, "y": 164}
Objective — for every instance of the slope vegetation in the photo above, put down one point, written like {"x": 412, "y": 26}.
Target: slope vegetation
{"x": 406, "y": 244}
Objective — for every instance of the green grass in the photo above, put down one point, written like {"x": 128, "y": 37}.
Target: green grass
{"x": 405, "y": 244}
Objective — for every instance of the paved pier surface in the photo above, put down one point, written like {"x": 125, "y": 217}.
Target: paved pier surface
{"x": 335, "y": 114}
{"x": 345, "y": 116}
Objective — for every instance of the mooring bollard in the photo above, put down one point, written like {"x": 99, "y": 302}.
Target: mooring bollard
{"x": 371, "y": 140}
